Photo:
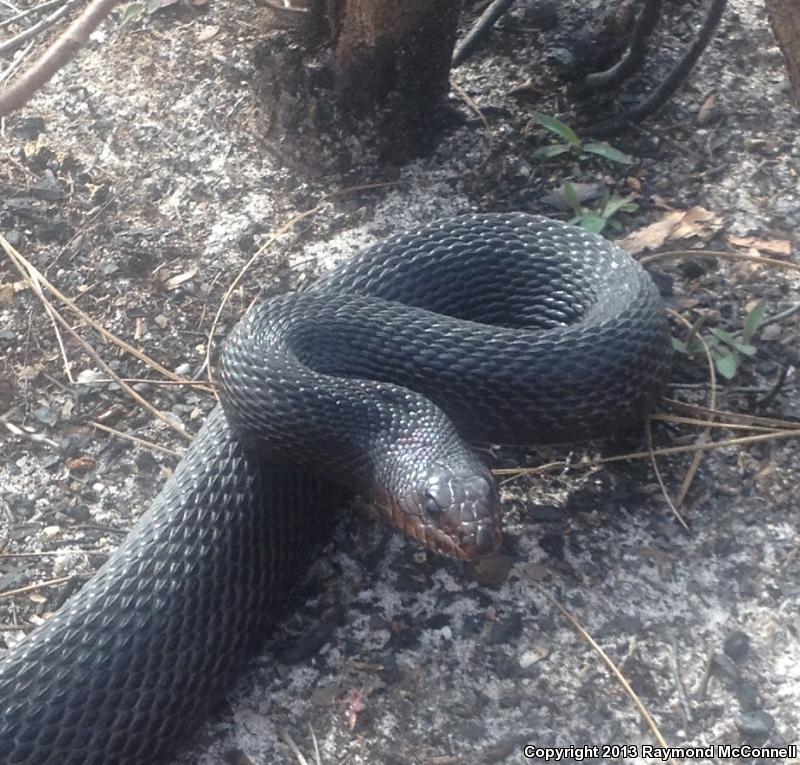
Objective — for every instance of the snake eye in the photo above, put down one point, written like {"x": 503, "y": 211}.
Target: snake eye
{"x": 432, "y": 507}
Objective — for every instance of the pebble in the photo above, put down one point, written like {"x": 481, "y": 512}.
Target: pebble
{"x": 737, "y": 645}
{"x": 725, "y": 666}
{"x": 51, "y": 531}
{"x": 528, "y": 658}
{"x": 755, "y": 724}
{"x": 46, "y": 415}
{"x": 748, "y": 697}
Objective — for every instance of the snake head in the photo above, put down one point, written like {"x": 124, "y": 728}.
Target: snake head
{"x": 454, "y": 510}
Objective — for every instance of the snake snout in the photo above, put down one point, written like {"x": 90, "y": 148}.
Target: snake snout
{"x": 460, "y": 510}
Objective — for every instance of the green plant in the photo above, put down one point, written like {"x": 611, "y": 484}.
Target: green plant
{"x": 136, "y": 11}
{"x": 572, "y": 144}
{"x": 726, "y": 348}
{"x": 596, "y": 220}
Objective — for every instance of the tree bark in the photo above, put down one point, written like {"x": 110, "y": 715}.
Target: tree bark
{"x": 393, "y": 50}
{"x": 784, "y": 15}
{"x": 379, "y": 69}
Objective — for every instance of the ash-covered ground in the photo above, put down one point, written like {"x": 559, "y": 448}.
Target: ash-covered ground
{"x": 144, "y": 177}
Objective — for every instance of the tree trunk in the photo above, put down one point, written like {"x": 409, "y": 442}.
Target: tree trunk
{"x": 784, "y": 15}
{"x": 378, "y": 69}
{"x": 393, "y": 51}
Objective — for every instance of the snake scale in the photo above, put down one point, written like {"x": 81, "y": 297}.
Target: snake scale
{"x": 501, "y": 328}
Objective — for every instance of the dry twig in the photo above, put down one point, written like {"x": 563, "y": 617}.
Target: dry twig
{"x": 58, "y": 54}
{"x": 648, "y": 718}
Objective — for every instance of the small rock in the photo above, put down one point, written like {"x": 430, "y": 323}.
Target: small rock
{"x": 51, "y": 532}
{"x": 757, "y": 725}
{"x": 80, "y": 513}
{"x": 29, "y": 128}
{"x": 737, "y": 645}
{"x": 748, "y": 697}
{"x": 183, "y": 369}
{"x": 23, "y": 506}
{"x": 561, "y": 58}
{"x": 46, "y": 415}
{"x": 725, "y": 666}
{"x": 48, "y": 189}
{"x": 535, "y": 654}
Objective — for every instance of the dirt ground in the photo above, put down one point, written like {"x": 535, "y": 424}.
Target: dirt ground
{"x": 145, "y": 176}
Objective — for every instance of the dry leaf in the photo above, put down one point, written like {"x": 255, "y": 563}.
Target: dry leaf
{"x": 653, "y": 236}
{"x": 80, "y": 464}
{"x": 175, "y": 281}
{"x": 707, "y": 110}
{"x": 780, "y": 247}
{"x": 695, "y": 223}
{"x": 6, "y": 293}
{"x": 634, "y": 184}
{"x": 698, "y": 222}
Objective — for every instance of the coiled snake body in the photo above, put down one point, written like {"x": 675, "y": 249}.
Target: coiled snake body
{"x": 500, "y": 328}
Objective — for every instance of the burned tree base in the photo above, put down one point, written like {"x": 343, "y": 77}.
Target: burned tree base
{"x": 371, "y": 83}
{"x": 784, "y": 15}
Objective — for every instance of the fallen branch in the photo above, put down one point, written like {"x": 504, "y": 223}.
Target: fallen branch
{"x": 29, "y": 12}
{"x": 482, "y": 27}
{"x": 630, "y": 63}
{"x": 17, "y": 41}
{"x": 669, "y": 86}
{"x": 58, "y": 54}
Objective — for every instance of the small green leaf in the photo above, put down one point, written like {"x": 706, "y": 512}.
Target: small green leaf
{"x": 591, "y": 222}
{"x": 606, "y": 151}
{"x": 558, "y": 127}
{"x": 753, "y": 320}
{"x": 618, "y": 204}
{"x": 696, "y": 346}
{"x": 746, "y": 349}
{"x": 679, "y": 345}
{"x": 572, "y": 199}
{"x": 726, "y": 337}
{"x": 132, "y": 12}
{"x": 554, "y": 150}
{"x": 726, "y": 365}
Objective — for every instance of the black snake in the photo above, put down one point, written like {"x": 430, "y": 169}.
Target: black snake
{"x": 500, "y": 328}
